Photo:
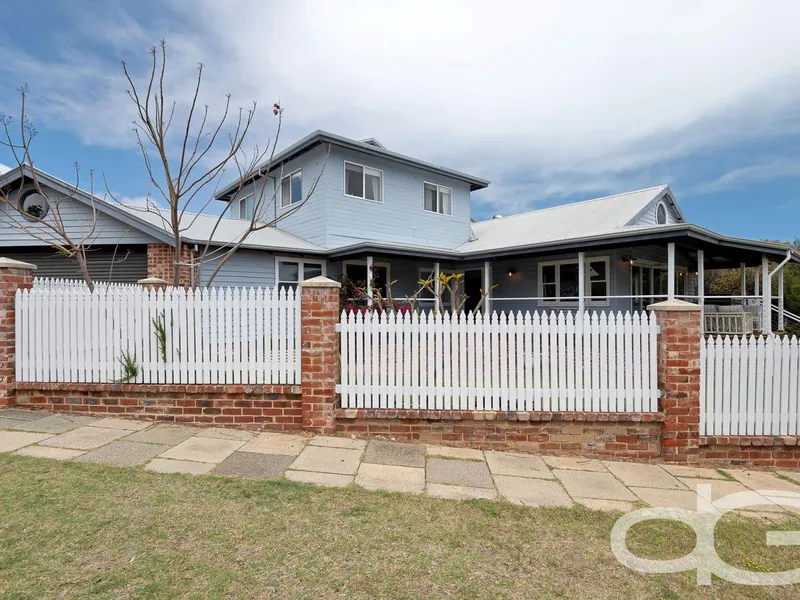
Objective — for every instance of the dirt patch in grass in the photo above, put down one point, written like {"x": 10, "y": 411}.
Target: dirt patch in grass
{"x": 76, "y": 530}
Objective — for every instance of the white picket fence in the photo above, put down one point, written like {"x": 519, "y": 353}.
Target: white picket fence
{"x": 56, "y": 284}
{"x": 750, "y": 386}
{"x": 210, "y": 335}
{"x": 505, "y": 362}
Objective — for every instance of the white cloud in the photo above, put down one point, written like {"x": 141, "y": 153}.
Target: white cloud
{"x": 780, "y": 167}
{"x": 544, "y": 98}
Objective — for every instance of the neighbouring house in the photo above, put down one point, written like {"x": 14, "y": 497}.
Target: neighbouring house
{"x": 379, "y": 216}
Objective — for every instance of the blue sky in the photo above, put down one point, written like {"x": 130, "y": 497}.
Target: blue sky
{"x": 553, "y": 102}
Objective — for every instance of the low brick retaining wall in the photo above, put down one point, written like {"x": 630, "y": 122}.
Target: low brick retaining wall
{"x": 623, "y": 435}
{"x": 251, "y": 406}
{"x": 751, "y": 450}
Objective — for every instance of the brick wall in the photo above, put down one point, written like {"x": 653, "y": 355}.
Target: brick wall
{"x": 751, "y": 450}
{"x": 161, "y": 261}
{"x": 13, "y": 276}
{"x": 248, "y": 406}
{"x": 621, "y": 435}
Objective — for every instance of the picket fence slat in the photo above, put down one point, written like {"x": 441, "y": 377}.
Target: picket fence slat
{"x": 749, "y": 386}
{"x": 65, "y": 333}
{"x": 500, "y": 362}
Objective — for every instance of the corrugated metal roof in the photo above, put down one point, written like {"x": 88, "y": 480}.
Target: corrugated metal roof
{"x": 598, "y": 216}
{"x": 198, "y": 228}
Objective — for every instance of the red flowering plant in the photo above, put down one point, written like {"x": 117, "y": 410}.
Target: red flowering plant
{"x": 354, "y": 297}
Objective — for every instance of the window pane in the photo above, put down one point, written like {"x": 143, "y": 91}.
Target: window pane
{"x": 286, "y": 198}
{"x": 373, "y": 184}
{"x": 549, "y": 290}
{"x": 597, "y": 271}
{"x": 311, "y": 270}
{"x": 431, "y": 203}
{"x": 549, "y": 274}
{"x": 569, "y": 280}
{"x": 598, "y": 290}
{"x": 353, "y": 180}
{"x": 444, "y": 197}
{"x": 357, "y": 274}
{"x": 297, "y": 186}
{"x": 243, "y": 208}
{"x": 288, "y": 271}
{"x": 250, "y": 206}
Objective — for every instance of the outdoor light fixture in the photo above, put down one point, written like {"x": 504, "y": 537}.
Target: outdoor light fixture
{"x": 512, "y": 271}
{"x": 628, "y": 258}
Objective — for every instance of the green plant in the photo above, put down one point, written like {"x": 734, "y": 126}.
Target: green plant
{"x": 130, "y": 368}
{"x": 160, "y": 325}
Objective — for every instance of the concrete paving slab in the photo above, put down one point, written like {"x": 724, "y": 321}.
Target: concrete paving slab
{"x": 330, "y": 441}
{"x": 252, "y": 464}
{"x": 85, "y": 438}
{"x": 460, "y": 453}
{"x": 391, "y": 478}
{"x": 686, "y": 499}
{"x": 124, "y": 424}
{"x": 517, "y": 465}
{"x": 123, "y": 454}
{"x": 460, "y": 492}
{"x": 23, "y": 414}
{"x": 793, "y": 475}
{"x": 719, "y": 487}
{"x": 468, "y": 473}
{"x": 220, "y": 433}
{"x": 722, "y": 488}
{"x": 323, "y": 459}
{"x": 203, "y": 449}
{"x": 57, "y": 423}
{"x": 528, "y": 491}
{"x": 169, "y": 435}
{"x": 586, "y": 484}
{"x": 607, "y": 505}
{"x": 286, "y": 444}
{"x": 47, "y": 452}
{"x": 163, "y": 465}
{"x": 574, "y": 463}
{"x": 699, "y": 472}
{"x": 11, "y": 423}
{"x": 14, "y": 440}
{"x": 323, "y": 479}
{"x": 394, "y": 453}
{"x": 764, "y": 480}
{"x": 643, "y": 475}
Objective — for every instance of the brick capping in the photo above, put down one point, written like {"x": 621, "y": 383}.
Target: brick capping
{"x": 751, "y": 450}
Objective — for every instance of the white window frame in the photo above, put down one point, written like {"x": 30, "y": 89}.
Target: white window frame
{"x": 587, "y": 283}
{"x": 301, "y": 263}
{"x": 239, "y": 205}
{"x": 363, "y": 181}
{"x": 289, "y": 176}
{"x": 438, "y": 200}
{"x": 374, "y": 264}
{"x": 666, "y": 213}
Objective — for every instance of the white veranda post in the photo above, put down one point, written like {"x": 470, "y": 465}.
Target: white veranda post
{"x": 370, "y": 295}
{"x": 581, "y": 283}
{"x": 437, "y": 286}
{"x": 671, "y": 271}
{"x": 781, "y": 309}
{"x": 701, "y": 280}
{"x": 487, "y": 286}
{"x": 766, "y": 296}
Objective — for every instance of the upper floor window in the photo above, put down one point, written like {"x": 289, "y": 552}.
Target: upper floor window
{"x": 292, "y": 188}
{"x": 363, "y": 182}
{"x": 661, "y": 214}
{"x": 246, "y": 207}
{"x": 438, "y": 199}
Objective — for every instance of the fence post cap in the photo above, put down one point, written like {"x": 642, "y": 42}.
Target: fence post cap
{"x": 320, "y": 282}
{"x": 152, "y": 281}
{"x": 675, "y": 305}
{"x": 10, "y": 263}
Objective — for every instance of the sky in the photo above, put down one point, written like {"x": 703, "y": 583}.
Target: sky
{"x": 552, "y": 101}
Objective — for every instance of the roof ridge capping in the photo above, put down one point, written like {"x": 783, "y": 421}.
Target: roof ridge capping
{"x": 587, "y": 201}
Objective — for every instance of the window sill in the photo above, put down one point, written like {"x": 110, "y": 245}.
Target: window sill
{"x": 362, "y": 198}
{"x": 433, "y": 212}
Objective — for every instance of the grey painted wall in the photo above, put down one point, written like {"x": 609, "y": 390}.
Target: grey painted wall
{"x": 121, "y": 264}
{"x": 77, "y": 219}
{"x": 250, "y": 268}
{"x": 648, "y": 217}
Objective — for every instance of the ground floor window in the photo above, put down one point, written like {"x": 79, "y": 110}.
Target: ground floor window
{"x": 356, "y": 272}
{"x": 651, "y": 283}
{"x": 558, "y": 281}
{"x": 291, "y": 271}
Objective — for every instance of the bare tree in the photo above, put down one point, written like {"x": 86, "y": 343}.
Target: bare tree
{"x": 39, "y": 211}
{"x": 181, "y": 167}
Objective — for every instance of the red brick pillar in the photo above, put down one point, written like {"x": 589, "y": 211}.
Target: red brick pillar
{"x": 679, "y": 379}
{"x": 161, "y": 263}
{"x": 319, "y": 358}
{"x": 13, "y": 276}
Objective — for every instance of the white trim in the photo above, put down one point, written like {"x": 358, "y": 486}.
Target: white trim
{"x": 300, "y": 170}
{"x": 666, "y": 212}
{"x": 587, "y": 281}
{"x": 239, "y": 206}
{"x": 301, "y": 263}
{"x": 438, "y": 193}
{"x": 363, "y": 181}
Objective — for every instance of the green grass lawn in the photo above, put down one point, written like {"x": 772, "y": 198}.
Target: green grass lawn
{"x": 78, "y": 530}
